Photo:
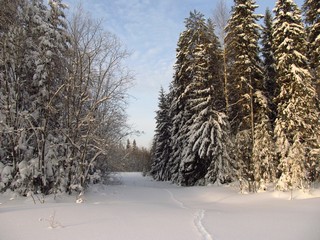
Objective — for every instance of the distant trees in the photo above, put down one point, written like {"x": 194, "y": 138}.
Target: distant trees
{"x": 162, "y": 139}
{"x": 63, "y": 92}
{"x": 270, "y": 103}
{"x": 135, "y": 159}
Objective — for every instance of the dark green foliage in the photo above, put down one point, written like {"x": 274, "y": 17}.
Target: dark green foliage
{"x": 199, "y": 134}
{"x": 162, "y": 139}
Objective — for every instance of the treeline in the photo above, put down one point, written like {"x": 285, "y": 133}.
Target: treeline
{"x": 129, "y": 157}
{"x": 63, "y": 92}
{"x": 243, "y": 106}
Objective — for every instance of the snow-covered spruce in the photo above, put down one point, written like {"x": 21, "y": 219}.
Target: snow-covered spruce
{"x": 312, "y": 20}
{"x": 200, "y": 144}
{"x": 162, "y": 143}
{"x": 245, "y": 79}
{"x": 297, "y": 124}
{"x": 61, "y": 97}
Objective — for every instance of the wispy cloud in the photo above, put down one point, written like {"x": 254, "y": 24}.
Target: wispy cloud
{"x": 150, "y": 30}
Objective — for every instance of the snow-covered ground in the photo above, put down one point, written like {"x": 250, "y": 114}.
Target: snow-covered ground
{"x": 137, "y": 208}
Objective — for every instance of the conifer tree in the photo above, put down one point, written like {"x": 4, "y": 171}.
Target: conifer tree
{"x": 32, "y": 76}
{"x": 263, "y": 154}
{"x": 245, "y": 77}
{"x": 297, "y": 123}
{"x": 243, "y": 61}
{"x": 269, "y": 64}
{"x": 208, "y": 135}
{"x": 200, "y": 129}
{"x": 162, "y": 139}
{"x": 184, "y": 73}
{"x": 312, "y": 19}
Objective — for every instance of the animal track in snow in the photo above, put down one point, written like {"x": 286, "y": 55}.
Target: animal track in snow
{"x": 198, "y": 223}
{"x": 198, "y": 217}
{"x": 181, "y": 205}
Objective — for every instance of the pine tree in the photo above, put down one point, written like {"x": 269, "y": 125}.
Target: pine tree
{"x": 312, "y": 19}
{"x": 162, "y": 139}
{"x": 297, "y": 123}
{"x": 245, "y": 77}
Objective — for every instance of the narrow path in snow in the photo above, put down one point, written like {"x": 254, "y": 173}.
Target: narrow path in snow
{"x": 198, "y": 217}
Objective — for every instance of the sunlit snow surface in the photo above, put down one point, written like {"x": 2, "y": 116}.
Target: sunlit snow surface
{"x": 134, "y": 207}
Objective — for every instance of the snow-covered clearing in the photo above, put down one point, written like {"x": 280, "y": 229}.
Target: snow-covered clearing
{"x": 140, "y": 208}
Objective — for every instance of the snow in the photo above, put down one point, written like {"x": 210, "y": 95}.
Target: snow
{"x": 136, "y": 207}
{"x": 6, "y": 174}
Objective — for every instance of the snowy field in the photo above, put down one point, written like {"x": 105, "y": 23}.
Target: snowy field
{"x": 137, "y": 208}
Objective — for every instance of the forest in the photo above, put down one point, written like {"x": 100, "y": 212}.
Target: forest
{"x": 63, "y": 96}
{"x": 243, "y": 105}
{"x": 241, "y": 115}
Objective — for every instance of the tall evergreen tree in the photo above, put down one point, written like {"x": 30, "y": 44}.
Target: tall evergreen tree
{"x": 244, "y": 70}
{"x": 297, "y": 123}
{"x": 263, "y": 153}
{"x": 184, "y": 72}
{"x": 208, "y": 135}
{"x": 269, "y": 63}
{"x": 312, "y": 19}
{"x": 265, "y": 165}
{"x": 245, "y": 77}
{"x": 200, "y": 129}
{"x": 162, "y": 139}
{"x": 49, "y": 31}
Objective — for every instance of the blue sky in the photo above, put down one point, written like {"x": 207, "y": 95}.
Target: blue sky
{"x": 150, "y": 30}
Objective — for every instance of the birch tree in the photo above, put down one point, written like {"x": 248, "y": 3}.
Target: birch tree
{"x": 94, "y": 97}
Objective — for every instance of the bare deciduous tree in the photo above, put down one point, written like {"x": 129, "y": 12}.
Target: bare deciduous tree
{"x": 95, "y": 94}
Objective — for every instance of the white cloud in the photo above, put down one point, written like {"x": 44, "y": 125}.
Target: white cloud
{"x": 150, "y": 29}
